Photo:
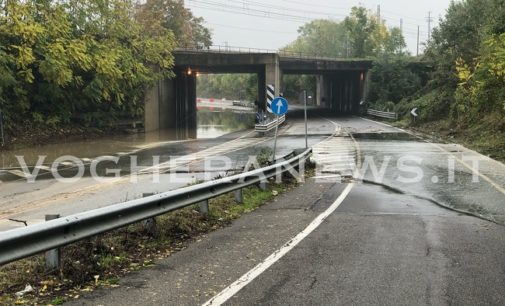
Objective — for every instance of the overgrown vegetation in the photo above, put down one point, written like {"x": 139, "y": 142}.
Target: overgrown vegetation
{"x": 237, "y": 86}
{"x": 464, "y": 96}
{"x": 86, "y": 62}
{"x": 101, "y": 261}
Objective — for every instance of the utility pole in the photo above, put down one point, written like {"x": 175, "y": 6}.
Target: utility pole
{"x": 401, "y": 25}
{"x": 430, "y": 20}
{"x": 417, "y": 52}
{"x": 379, "y": 14}
{"x": 347, "y": 45}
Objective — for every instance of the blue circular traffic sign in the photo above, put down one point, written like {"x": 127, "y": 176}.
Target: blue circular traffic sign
{"x": 279, "y": 106}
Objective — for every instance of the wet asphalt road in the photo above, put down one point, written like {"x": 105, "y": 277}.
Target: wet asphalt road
{"x": 381, "y": 248}
{"x": 388, "y": 243}
{"x": 378, "y": 248}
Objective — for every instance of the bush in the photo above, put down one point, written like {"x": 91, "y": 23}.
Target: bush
{"x": 63, "y": 59}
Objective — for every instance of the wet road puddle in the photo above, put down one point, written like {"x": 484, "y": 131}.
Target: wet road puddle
{"x": 386, "y": 136}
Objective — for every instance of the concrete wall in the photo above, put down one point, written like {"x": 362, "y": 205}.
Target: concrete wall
{"x": 171, "y": 105}
{"x": 151, "y": 109}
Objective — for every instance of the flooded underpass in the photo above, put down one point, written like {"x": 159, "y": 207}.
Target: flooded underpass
{"x": 98, "y": 172}
{"x": 212, "y": 124}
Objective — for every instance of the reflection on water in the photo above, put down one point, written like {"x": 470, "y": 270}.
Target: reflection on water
{"x": 89, "y": 148}
{"x": 210, "y": 125}
{"x": 215, "y": 124}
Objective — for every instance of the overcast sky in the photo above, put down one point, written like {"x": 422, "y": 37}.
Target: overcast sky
{"x": 271, "y": 24}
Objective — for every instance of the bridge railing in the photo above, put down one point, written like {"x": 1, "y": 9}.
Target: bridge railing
{"x": 23, "y": 242}
{"x": 247, "y": 50}
{"x": 387, "y": 115}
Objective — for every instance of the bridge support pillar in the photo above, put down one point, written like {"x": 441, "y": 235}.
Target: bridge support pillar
{"x": 171, "y": 105}
{"x": 184, "y": 114}
{"x": 272, "y": 75}
{"x": 322, "y": 91}
{"x": 152, "y": 109}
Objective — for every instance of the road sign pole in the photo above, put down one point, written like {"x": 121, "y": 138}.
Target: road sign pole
{"x": 2, "y": 128}
{"x": 279, "y": 108}
{"x": 305, "y": 113}
{"x": 275, "y": 139}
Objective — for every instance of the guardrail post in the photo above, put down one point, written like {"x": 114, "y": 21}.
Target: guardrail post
{"x": 149, "y": 224}
{"x": 53, "y": 260}
{"x": 263, "y": 186}
{"x": 239, "y": 197}
{"x": 204, "y": 207}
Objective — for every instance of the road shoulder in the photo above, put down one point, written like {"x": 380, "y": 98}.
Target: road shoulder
{"x": 207, "y": 266}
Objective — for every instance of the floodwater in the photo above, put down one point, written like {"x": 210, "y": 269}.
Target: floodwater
{"x": 210, "y": 125}
{"x": 217, "y": 124}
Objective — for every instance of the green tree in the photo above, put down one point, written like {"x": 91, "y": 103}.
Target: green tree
{"x": 360, "y": 28}
{"x": 394, "y": 43}
{"x": 370, "y": 37}
{"x": 320, "y": 37}
{"x": 82, "y": 60}
{"x": 188, "y": 29}
{"x": 391, "y": 80}
{"x": 229, "y": 86}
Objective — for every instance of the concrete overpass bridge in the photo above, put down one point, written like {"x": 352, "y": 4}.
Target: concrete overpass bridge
{"x": 171, "y": 104}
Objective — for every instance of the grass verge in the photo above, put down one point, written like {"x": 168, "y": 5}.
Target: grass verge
{"x": 99, "y": 262}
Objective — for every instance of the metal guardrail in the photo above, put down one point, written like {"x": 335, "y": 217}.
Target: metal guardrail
{"x": 246, "y": 50}
{"x": 265, "y": 127}
{"x": 23, "y": 242}
{"x": 388, "y": 115}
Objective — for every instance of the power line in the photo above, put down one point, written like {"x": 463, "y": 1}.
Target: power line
{"x": 249, "y": 8}
{"x": 403, "y": 16}
{"x": 283, "y": 8}
{"x": 347, "y": 9}
{"x": 406, "y": 33}
{"x": 249, "y": 11}
{"x": 312, "y": 5}
{"x": 258, "y": 7}
{"x": 248, "y": 29}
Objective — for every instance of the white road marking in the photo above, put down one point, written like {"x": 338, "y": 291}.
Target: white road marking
{"x": 218, "y": 150}
{"x": 336, "y": 154}
{"x": 384, "y": 124}
{"x": 245, "y": 279}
